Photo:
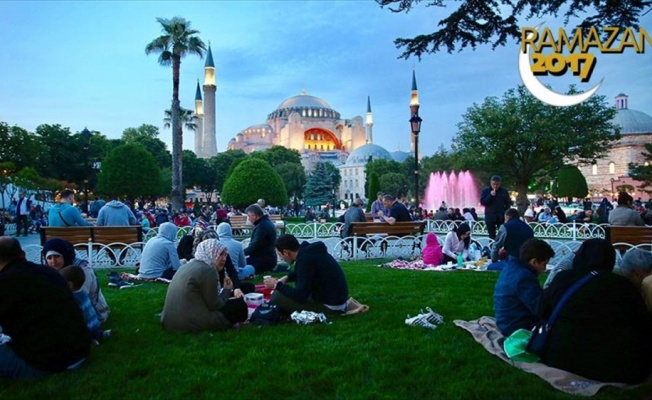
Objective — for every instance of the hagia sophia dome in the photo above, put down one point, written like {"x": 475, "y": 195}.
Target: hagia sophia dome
{"x": 362, "y": 154}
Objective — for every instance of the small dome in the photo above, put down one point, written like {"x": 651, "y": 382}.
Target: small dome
{"x": 361, "y": 154}
{"x": 400, "y": 156}
{"x": 633, "y": 121}
{"x": 303, "y": 100}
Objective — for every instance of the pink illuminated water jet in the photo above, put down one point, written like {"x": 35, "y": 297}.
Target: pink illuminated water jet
{"x": 458, "y": 190}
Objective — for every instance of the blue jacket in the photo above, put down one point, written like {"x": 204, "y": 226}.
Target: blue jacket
{"x": 160, "y": 253}
{"x": 115, "y": 213}
{"x": 71, "y": 216}
{"x": 516, "y": 297}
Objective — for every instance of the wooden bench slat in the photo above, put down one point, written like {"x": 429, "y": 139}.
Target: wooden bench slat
{"x": 634, "y": 235}
{"x": 97, "y": 234}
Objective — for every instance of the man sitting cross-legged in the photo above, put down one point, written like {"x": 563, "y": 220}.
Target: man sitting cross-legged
{"x": 518, "y": 292}
{"x": 320, "y": 282}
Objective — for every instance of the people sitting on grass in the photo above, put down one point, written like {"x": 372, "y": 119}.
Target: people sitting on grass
{"x": 39, "y": 313}
{"x": 432, "y": 254}
{"x": 236, "y": 251}
{"x": 320, "y": 282}
{"x": 64, "y": 214}
{"x": 196, "y": 301}
{"x": 160, "y": 258}
{"x": 260, "y": 252}
{"x": 58, "y": 253}
{"x": 518, "y": 292}
{"x": 457, "y": 241}
{"x": 637, "y": 267}
{"x": 603, "y": 332}
{"x": 75, "y": 277}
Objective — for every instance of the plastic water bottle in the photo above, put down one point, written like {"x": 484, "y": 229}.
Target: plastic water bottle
{"x": 460, "y": 260}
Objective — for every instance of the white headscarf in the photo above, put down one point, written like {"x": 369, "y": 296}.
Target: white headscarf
{"x": 208, "y": 251}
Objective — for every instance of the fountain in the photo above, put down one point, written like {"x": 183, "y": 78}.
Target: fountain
{"x": 458, "y": 190}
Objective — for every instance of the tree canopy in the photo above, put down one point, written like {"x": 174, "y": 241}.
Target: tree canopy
{"x": 570, "y": 183}
{"x": 277, "y": 155}
{"x": 129, "y": 171}
{"x": 522, "y": 138}
{"x": 251, "y": 180}
{"x": 480, "y": 22}
{"x": 319, "y": 187}
{"x": 643, "y": 172}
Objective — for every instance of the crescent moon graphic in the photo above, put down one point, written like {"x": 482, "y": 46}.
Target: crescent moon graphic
{"x": 541, "y": 92}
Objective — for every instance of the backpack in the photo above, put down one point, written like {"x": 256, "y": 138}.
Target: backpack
{"x": 266, "y": 314}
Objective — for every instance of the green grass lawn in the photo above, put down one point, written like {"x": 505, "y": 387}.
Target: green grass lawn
{"x": 368, "y": 356}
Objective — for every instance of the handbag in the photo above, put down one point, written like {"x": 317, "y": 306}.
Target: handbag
{"x": 266, "y": 314}
{"x": 541, "y": 331}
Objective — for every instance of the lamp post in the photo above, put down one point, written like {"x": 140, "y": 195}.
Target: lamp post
{"x": 612, "y": 188}
{"x": 86, "y": 138}
{"x": 333, "y": 188}
{"x": 415, "y": 125}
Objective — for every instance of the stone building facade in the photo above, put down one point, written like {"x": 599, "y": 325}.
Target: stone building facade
{"x": 606, "y": 174}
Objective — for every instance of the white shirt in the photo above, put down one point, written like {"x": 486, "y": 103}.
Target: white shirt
{"x": 452, "y": 245}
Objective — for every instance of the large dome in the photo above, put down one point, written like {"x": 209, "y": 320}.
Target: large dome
{"x": 303, "y": 100}
{"x": 361, "y": 154}
{"x": 633, "y": 121}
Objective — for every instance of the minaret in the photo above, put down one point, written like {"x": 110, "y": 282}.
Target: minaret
{"x": 199, "y": 129}
{"x": 369, "y": 122}
{"x": 414, "y": 102}
{"x": 210, "y": 141}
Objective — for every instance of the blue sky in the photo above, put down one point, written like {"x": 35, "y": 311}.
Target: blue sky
{"x": 83, "y": 64}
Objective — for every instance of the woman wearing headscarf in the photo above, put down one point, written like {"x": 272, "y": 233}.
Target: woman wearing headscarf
{"x": 59, "y": 253}
{"x": 196, "y": 301}
{"x": 603, "y": 332}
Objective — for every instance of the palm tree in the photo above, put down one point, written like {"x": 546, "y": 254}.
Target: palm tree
{"x": 188, "y": 118}
{"x": 177, "y": 41}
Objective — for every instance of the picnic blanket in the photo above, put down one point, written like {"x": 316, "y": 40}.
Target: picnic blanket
{"x": 485, "y": 332}
{"x": 133, "y": 277}
{"x": 418, "y": 265}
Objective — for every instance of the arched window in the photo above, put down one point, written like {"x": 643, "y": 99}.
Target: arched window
{"x": 612, "y": 167}
{"x": 594, "y": 169}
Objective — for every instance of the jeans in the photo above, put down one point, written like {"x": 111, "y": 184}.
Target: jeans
{"x": 11, "y": 366}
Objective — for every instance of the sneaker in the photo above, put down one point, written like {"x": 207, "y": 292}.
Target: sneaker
{"x": 432, "y": 317}
{"x": 419, "y": 320}
{"x": 126, "y": 285}
{"x": 114, "y": 279}
{"x": 106, "y": 333}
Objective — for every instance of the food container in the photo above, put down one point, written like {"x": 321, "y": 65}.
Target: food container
{"x": 253, "y": 299}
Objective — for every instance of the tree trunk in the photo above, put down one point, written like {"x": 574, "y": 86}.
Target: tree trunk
{"x": 522, "y": 202}
{"x": 176, "y": 195}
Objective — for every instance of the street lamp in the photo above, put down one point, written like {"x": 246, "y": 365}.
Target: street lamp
{"x": 333, "y": 188}
{"x": 612, "y": 188}
{"x": 86, "y": 140}
{"x": 415, "y": 125}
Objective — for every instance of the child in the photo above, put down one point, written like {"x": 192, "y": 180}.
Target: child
{"x": 75, "y": 277}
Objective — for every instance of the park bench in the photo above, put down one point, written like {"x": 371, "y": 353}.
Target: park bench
{"x": 98, "y": 237}
{"x": 360, "y": 231}
{"x": 95, "y": 234}
{"x": 240, "y": 226}
{"x": 632, "y": 235}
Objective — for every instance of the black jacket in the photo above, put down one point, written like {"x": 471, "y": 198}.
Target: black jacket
{"x": 317, "y": 275}
{"x": 38, "y": 311}
{"x": 495, "y": 206}
{"x": 263, "y": 239}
